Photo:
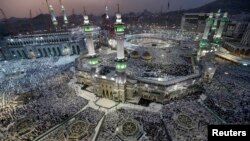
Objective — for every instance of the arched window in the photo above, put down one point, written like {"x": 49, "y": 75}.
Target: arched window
{"x": 248, "y": 52}
{"x": 242, "y": 51}
{"x": 237, "y": 51}
{"x": 74, "y": 50}
{"x": 49, "y": 51}
{"x": 59, "y": 51}
{"x": 24, "y": 54}
{"x": 54, "y": 51}
{"x": 78, "y": 49}
{"x": 45, "y": 52}
{"x": 19, "y": 54}
{"x": 40, "y": 52}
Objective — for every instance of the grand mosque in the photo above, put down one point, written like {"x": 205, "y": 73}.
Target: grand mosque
{"x": 154, "y": 67}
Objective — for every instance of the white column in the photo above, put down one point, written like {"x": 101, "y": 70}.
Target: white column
{"x": 221, "y": 28}
{"x": 207, "y": 28}
{"x": 90, "y": 45}
{"x": 120, "y": 47}
{"x": 183, "y": 20}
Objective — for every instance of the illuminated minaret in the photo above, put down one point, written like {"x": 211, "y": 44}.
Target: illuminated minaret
{"x": 93, "y": 59}
{"x": 218, "y": 35}
{"x": 87, "y": 28}
{"x": 204, "y": 41}
{"x": 106, "y": 11}
{"x": 119, "y": 31}
{"x": 121, "y": 65}
{"x": 183, "y": 20}
{"x": 52, "y": 13}
{"x": 65, "y": 18}
{"x": 217, "y": 16}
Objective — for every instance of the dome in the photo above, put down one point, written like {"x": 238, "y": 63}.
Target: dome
{"x": 146, "y": 56}
{"x": 134, "y": 54}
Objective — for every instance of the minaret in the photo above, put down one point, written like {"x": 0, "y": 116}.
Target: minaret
{"x": 183, "y": 20}
{"x": 88, "y": 29}
{"x": 217, "y": 16}
{"x": 120, "y": 60}
{"x": 119, "y": 30}
{"x": 65, "y": 18}
{"x": 217, "y": 37}
{"x": 204, "y": 41}
{"x": 106, "y": 11}
{"x": 93, "y": 59}
{"x": 52, "y": 13}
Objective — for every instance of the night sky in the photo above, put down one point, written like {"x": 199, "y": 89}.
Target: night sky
{"x": 20, "y": 8}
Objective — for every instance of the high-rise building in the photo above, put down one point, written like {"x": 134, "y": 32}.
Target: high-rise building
{"x": 194, "y": 22}
{"x": 246, "y": 37}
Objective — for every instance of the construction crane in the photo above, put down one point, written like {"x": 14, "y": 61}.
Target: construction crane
{"x": 65, "y": 18}
{"x": 5, "y": 20}
{"x": 31, "y": 24}
{"x": 4, "y": 15}
{"x": 84, "y": 11}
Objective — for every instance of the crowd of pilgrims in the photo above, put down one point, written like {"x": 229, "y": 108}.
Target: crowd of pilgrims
{"x": 41, "y": 95}
{"x": 229, "y": 92}
{"x": 150, "y": 122}
{"x": 90, "y": 116}
{"x": 162, "y": 65}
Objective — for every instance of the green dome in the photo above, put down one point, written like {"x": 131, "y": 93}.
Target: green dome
{"x": 93, "y": 60}
{"x": 203, "y": 43}
{"x": 217, "y": 41}
{"x": 135, "y": 54}
{"x": 87, "y": 28}
{"x": 146, "y": 55}
{"x": 210, "y": 20}
{"x": 224, "y": 19}
{"x": 119, "y": 28}
{"x": 214, "y": 27}
{"x": 120, "y": 65}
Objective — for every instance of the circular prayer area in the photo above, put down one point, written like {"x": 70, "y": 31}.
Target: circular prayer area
{"x": 184, "y": 121}
{"x": 226, "y": 104}
{"x": 78, "y": 129}
{"x": 129, "y": 128}
{"x": 154, "y": 42}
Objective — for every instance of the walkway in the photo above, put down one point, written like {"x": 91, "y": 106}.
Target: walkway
{"x": 233, "y": 58}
